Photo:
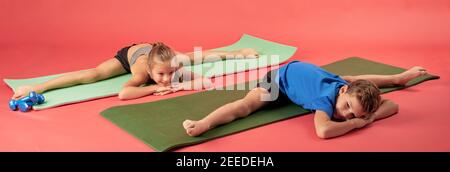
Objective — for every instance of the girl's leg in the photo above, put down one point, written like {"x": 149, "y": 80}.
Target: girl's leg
{"x": 107, "y": 69}
{"x": 227, "y": 113}
{"x": 390, "y": 80}
{"x": 215, "y": 55}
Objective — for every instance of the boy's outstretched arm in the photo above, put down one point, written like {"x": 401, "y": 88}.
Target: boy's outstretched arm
{"x": 386, "y": 109}
{"x": 326, "y": 128}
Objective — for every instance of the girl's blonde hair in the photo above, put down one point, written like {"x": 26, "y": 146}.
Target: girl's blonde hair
{"x": 160, "y": 53}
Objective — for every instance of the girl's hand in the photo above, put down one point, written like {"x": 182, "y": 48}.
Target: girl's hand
{"x": 197, "y": 84}
{"x": 178, "y": 86}
{"x": 160, "y": 90}
{"x": 162, "y": 93}
{"x": 22, "y": 91}
{"x": 172, "y": 89}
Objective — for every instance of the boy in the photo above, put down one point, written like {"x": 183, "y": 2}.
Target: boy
{"x": 340, "y": 104}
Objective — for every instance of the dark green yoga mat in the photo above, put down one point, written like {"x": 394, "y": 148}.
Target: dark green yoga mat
{"x": 159, "y": 124}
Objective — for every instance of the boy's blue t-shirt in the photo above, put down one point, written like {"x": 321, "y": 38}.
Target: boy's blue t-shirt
{"x": 309, "y": 86}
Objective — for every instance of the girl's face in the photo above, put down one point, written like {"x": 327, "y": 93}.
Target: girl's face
{"x": 162, "y": 73}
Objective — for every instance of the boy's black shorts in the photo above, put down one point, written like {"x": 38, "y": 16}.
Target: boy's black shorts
{"x": 268, "y": 83}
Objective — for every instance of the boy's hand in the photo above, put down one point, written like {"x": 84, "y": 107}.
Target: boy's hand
{"x": 22, "y": 91}
{"x": 360, "y": 122}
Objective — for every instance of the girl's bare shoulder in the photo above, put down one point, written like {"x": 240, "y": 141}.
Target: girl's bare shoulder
{"x": 136, "y": 47}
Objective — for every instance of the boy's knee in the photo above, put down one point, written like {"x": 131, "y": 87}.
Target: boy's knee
{"x": 267, "y": 96}
{"x": 245, "y": 108}
{"x": 248, "y": 106}
{"x": 261, "y": 90}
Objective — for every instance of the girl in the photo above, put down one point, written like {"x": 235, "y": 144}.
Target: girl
{"x": 149, "y": 64}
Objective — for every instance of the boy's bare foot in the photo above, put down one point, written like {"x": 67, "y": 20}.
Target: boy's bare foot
{"x": 410, "y": 74}
{"x": 248, "y": 53}
{"x": 195, "y": 128}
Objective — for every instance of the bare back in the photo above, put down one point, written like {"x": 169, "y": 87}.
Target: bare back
{"x": 140, "y": 65}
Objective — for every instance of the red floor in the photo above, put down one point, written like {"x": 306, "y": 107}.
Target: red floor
{"x": 48, "y": 37}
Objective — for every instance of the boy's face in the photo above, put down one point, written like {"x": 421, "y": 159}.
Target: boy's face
{"x": 347, "y": 106}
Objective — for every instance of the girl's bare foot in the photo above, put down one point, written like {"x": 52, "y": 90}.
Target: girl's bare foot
{"x": 22, "y": 91}
{"x": 195, "y": 128}
{"x": 248, "y": 53}
{"x": 410, "y": 74}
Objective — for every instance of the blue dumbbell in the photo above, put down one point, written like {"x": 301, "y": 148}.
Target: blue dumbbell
{"x": 25, "y": 104}
{"x": 41, "y": 99}
{"x": 34, "y": 97}
{"x": 13, "y": 105}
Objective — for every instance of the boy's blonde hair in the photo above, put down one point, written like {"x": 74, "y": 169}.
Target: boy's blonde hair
{"x": 367, "y": 93}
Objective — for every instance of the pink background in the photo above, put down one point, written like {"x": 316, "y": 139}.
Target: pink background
{"x": 44, "y": 37}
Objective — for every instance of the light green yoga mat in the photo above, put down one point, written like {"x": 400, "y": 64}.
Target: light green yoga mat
{"x": 112, "y": 86}
{"x": 159, "y": 124}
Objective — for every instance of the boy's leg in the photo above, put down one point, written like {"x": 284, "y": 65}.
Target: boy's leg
{"x": 227, "y": 113}
{"x": 390, "y": 80}
{"x": 107, "y": 69}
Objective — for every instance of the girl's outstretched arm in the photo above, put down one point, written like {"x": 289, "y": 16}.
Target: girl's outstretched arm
{"x": 133, "y": 88}
{"x": 133, "y": 92}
